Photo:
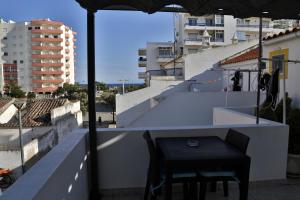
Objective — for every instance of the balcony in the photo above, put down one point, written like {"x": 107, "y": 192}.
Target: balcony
{"x": 51, "y": 48}
{"x": 47, "y": 72}
{"x": 65, "y": 168}
{"x": 39, "y": 64}
{"x": 142, "y": 52}
{"x": 54, "y": 40}
{"x": 142, "y": 62}
{"x": 44, "y": 89}
{"x": 142, "y": 75}
{"x": 67, "y": 35}
{"x": 47, "y": 56}
{"x": 203, "y": 26}
{"x": 253, "y": 27}
{"x": 47, "y": 31}
{"x": 193, "y": 41}
{"x": 47, "y": 80}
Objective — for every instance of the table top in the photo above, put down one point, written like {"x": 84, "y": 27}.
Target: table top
{"x": 208, "y": 148}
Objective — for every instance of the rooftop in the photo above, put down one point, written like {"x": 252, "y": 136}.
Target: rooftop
{"x": 284, "y": 33}
{"x": 250, "y": 54}
{"x": 37, "y": 113}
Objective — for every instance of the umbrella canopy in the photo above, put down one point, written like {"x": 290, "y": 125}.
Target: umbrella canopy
{"x": 276, "y": 9}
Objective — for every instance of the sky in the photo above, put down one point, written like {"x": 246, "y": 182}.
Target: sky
{"x": 119, "y": 34}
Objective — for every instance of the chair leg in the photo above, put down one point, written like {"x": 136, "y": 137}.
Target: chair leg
{"x": 225, "y": 188}
{"x": 185, "y": 191}
{"x": 147, "y": 189}
{"x": 202, "y": 192}
{"x": 213, "y": 186}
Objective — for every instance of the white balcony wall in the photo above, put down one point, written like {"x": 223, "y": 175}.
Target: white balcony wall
{"x": 131, "y": 106}
{"x": 61, "y": 174}
{"x": 123, "y": 156}
{"x": 196, "y": 64}
{"x": 191, "y": 108}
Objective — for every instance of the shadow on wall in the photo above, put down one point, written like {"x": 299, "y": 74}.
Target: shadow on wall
{"x": 204, "y": 82}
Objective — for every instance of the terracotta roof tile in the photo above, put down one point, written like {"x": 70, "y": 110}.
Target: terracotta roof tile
{"x": 286, "y": 32}
{"x": 249, "y": 55}
{"x": 38, "y": 113}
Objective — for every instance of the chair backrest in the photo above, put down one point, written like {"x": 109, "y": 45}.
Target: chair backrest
{"x": 238, "y": 140}
{"x": 153, "y": 165}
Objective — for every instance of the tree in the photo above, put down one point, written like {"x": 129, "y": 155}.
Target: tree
{"x": 16, "y": 91}
{"x": 31, "y": 95}
{"x": 101, "y": 86}
{"x": 109, "y": 98}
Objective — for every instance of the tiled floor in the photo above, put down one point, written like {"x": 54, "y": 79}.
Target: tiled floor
{"x": 266, "y": 190}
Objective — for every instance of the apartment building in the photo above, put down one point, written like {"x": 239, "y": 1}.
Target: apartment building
{"x": 36, "y": 55}
{"x": 195, "y": 34}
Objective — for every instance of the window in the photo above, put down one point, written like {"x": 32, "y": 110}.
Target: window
{"x": 15, "y": 62}
{"x": 37, "y": 28}
{"x": 219, "y": 19}
{"x": 192, "y": 21}
{"x": 55, "y": 36}
{"x": 5, "y": 38}
{"x": 29, "y": 28}
{"x": 219, "y": 36}
{"x": 277, "y": 62}
{"x": 21, "y": 61}
{"x": 5, "y": 54}
{"x": 164, "y": 51}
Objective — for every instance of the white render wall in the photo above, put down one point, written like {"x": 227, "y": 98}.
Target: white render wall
{"x": 128, "y": 168}
{"x": 191, "y": 108}
{"x": 291, "y": 42}
{"x": 195, "y": 64}
{"x": 130, "y": 106}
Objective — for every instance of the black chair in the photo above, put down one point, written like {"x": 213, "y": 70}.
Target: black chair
{"x": 156, "y": 176}
{"x": 239, "y": 141}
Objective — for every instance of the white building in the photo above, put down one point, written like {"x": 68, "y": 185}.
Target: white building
{"x": 193, "y": 35}
{"x": 37, "y": 55}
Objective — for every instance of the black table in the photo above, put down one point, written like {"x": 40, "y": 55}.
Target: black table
{"x": 212, "y": 152}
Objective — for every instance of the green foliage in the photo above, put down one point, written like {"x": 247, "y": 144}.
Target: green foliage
{"x": 109, "y": 98}
{"x": 131, "y": 88}
{"x": 16, "y": 91}
{"x": 31, "y": 95}
{"x": 101, "y": 86}
{"x": 73, "y": 93}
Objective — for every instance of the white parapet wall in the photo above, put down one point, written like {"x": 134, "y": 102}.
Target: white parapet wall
{"x": 123, "y": 157}
{"x": 61, "y": 174}
{"x": 62, "y": 111}
{"x": 7, "y": 114}
{"x": 132, "y": 105}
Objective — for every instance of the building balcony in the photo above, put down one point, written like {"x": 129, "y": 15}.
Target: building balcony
{"x": 54, "y": 40}
{"x": 47, "y": 72}
{"x": 9, "y": 65}
{"x": 51, "y": 48}
{"x": 67, "y": 65}
{"x": 45, "y": 22}
{"x": 47, "y": 31}
{"x": 142, "y": 62}
{"x": 142, "y": 75}
{"x": 67, "y": 57}
{"x": 44, "y": 89}
{"x": 67, "y": 43}
{"x": 253, "y": 28}
{"x": 65, "y": 169}
{"x": 67, "y": 35}
{"x": 193, "y": 42}
{"x": 47, "y": 80}
{"x": 39, "y": 64}
{"x": 47, "y": 56}
{"x": 142, "y": 52}
{"x": 67, "y": 51}
{"x": 203, "y": 26}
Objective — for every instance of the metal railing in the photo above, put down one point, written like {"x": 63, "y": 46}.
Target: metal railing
{"x": 252, "y": 26}
{"x": 204, "y": 24}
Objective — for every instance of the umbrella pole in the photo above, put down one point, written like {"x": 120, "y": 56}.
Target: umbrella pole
{"x": 259, "y": 70}
{"x": 94, "y": 187}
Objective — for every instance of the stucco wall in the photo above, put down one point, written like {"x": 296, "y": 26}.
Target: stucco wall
{"x": 128, "y": 168}
{"x": 195, "y": 64}
{"x": 7, "y": 114}
{"x": 191, "y": 108}
{"x": 291, "y": 43}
